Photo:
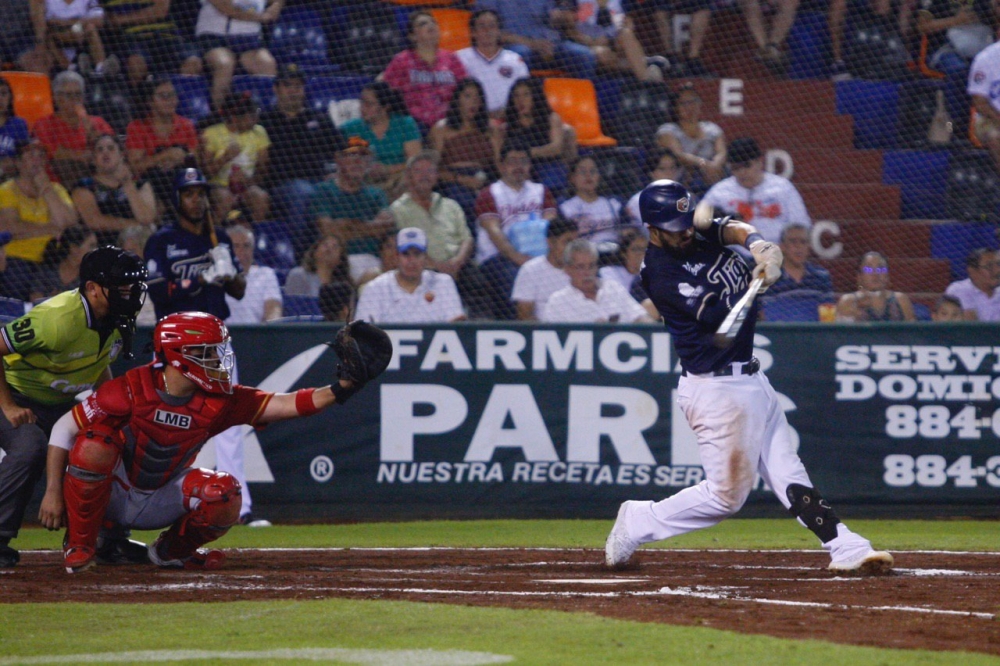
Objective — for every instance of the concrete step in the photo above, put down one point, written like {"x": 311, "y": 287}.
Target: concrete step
{"x": 826, "y": 201}
{"x": 837, "y": 166}
{"x": 792, "y": 132}
{"x": 892, "y": 238}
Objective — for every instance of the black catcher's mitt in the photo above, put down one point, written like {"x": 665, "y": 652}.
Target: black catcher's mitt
{"x": 364, "y": 351}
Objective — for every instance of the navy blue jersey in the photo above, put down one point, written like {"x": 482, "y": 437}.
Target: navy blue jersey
{"x": 694, "y": 292}
{"x": 175, "y": 258}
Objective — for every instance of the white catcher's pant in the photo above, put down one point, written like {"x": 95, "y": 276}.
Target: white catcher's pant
{"x": 741, "y": 431}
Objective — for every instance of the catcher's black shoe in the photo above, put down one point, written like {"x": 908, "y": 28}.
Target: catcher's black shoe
{"x": 8, "y": 557}
{"x": 121, "y": 550}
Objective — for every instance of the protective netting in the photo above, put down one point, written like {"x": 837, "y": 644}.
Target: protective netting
{"x": 327, "y": 127}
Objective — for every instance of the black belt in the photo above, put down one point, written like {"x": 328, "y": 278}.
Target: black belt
{"x": 750, "y": 368}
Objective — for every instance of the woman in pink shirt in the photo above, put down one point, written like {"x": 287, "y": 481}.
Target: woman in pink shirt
{"x": 425, "y": 75}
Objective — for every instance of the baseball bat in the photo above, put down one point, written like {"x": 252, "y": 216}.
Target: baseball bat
{"x": 734, "y": 320}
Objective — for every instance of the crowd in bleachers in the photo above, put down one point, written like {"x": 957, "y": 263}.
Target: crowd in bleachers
{"x": 405, "y": 152}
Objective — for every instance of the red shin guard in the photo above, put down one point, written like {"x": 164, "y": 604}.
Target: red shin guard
{"x": 87, "y": 488}
{"x": 217, "y": 499}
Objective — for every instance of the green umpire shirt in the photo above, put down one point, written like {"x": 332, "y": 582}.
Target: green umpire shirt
{"x": 56, "y": 350}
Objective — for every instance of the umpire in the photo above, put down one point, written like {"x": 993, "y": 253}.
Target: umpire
{"x": 61, "y": 348}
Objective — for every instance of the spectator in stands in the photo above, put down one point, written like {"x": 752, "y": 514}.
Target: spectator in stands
{"x": 771, "y": 41}
{"x": 336, "y": 300}
{"x": 465, "y": 141}
{"x": 511, "y": 202}
{"x": 235, "y": 155}
{"x": 113, "y": 199}
{"x": 66, "y": 27}
{"x": 947, "y": 309}
{"x": 874, "y": 301}
{"x": 228, "y": 31}
{"x": 32, "y": 207}
{"x": 323, "y": 263}
{"x": 411, "y": 293}
{"x": 532, "y": 123}
{"x": 661, "y": 164}
{"x": 699, "y": 145}
{"x": 603, "y": 26}
{"x": 348, "y": 207}
{"x": 589, "y": 298}
{"x": 765, "y": 200}
{"x": 145, "y": 33}
{"x": 69, "y": 133}
{"x": 495, "y": 67}
{"x": 388, "y": 259}
{"x": 262, "y": 301}
{"x": 159, "y": 140}
{"x": 540, "y": 277}
{"x": 632, "y": 246}
{"x": 16, "y": 275}
{"x": 984, "y": 82}
{"x": 13, "y": 130}
{"x": 980, "y": 292}
{"x": 598, "y": 218}
{"x": 391, "y": 133}
{"x": 877, "y": 9}
{"x": 60, "y": 267}
{"x": 797, "y": 272}
{"x": 701, "y": 15}
{"x": 17, "y": 42}
{"x": 425, "y": 74}
{"x": 304, "y": 145}
{"x": 956, "y": 33}
{"x": 133, "y": 239}
{"x": 531, "y": 28}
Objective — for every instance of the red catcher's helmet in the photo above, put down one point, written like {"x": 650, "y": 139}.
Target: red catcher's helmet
{"x": 197, "y": 344}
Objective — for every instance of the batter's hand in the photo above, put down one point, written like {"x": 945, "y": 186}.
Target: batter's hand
{"x": 18, "y": 415}
{"x": 769, "y": 258}
{"x": 50, "y": 514}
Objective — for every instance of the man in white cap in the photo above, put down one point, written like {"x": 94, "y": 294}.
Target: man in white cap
{"x": 411, "y": 293}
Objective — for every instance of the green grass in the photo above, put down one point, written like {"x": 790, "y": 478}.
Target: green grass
{"x": 531, "y": 637}
{"x": 737, "y": 533}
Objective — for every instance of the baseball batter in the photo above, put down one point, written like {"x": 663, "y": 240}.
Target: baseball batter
{"x": 129, "y": 445}
{"x": 694, "y": 279}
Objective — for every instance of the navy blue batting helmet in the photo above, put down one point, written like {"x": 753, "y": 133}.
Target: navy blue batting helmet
{"x": 667, "y": 205}
{"x": 185, "y": 178}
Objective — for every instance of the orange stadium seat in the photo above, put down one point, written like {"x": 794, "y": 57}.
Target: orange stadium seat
{"x": 575, "y": 100}
{"x": 32, "y": 95}
{"x": 454, "y": 24}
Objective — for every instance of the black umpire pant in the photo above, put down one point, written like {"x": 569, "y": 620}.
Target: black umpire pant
{"x": 25, "y": 447}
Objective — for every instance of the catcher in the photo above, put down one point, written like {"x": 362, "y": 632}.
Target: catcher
{"x": 129, "y": 445}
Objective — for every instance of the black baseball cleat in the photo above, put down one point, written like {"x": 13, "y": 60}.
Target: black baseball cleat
{"x": 8, "y": 557}
{"x": 121, "y": 550}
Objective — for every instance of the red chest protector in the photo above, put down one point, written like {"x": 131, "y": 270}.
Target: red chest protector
{"x": 161, "y": 439}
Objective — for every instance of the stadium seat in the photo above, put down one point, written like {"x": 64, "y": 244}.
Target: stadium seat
{"x": 921, "y": 312}
{"x": 298, "y": 37}
{"x": 273, "y": 246}
{"x": 575, "y": 100}
{"x": 875, "y": 53}
{"x": 322, "y": 90}
{"x": 364, "y": 37}
{"x": 10, "y": 308}
{"x": 621, "y": 172}
{"x": 973, "y": 187}
{"x": 642, "y": 108}
{"x": 261, "y": 87}
{"x": 32, "y": 95}
{"x": 297, "y": 306}
{"x": 917, "y": 105}
{"x": 922, "y": 66}
{"x": 797, "y": 305}
{"x": 454, "y": 25}
{"x": 192, "y": 96}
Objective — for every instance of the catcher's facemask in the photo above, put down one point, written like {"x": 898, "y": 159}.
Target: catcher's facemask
{"x": 216, "y": 363}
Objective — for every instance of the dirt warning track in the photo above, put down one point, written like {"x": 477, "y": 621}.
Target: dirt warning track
{"x": 934, "y": 600}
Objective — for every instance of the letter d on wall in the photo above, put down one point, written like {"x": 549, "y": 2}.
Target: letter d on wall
{"x": 400, "y": 423}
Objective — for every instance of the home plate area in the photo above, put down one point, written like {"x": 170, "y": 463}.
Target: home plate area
{"x": 934, "y": 600}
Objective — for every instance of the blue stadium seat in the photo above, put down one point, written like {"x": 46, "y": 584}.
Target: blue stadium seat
{"x": 193, "y": 100}
{"x": 955, "y": 241}
{"x": 797, "y": 305}
{"x": 921, "y": 312}
{"x": 296, "y": 306}
{"x": 922, "y": 176}
{"x": 10, "y": 308}
{"x": 298, "y": 37}
{"x": 808, "y": 42}
{"x": 321, "y": 90}
{"x": 874, "y": 106}
{"x": 261, "y": 87}
{"x": 274, "y": 246}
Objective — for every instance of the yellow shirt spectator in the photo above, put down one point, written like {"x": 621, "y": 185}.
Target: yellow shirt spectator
{"x": 31, "y": 211}
{"x": 217, "y": 140}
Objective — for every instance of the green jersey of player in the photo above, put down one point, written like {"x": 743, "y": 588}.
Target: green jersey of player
{"x": 57, "y": 350}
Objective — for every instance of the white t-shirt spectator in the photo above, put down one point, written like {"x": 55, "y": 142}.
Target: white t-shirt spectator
{"x": 987, "y": 307}
{"x": 262, "y": 286}
{"x": 511, "y": 206}
{"x": 536, "y": 281}
{"x": 613, "y": 304}
{"x": 213, "y": 22}
{"x": 436, "y": 299}
{"x": 771, "y": 206}
{"x": 75, "y": 10}
{"x": 632, "y": 213}
{"x": 497, "y": 74}
{"x": 619, "y": 274}
{"x": 599, "y": 220}
{"x": 984, "y": 75}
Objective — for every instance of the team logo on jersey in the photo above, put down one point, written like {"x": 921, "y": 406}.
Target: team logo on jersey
{"x": 693, "y": 269}
{"x": 173, "y": 252}
{"x": 979, "y": 76}
{"x": 683, "y": 205}
{"x": 506, "y": 71}
{"x": 172, "y": 419}
{"x": 689, "y": 291}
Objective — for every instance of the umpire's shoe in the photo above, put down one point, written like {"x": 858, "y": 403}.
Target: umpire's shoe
{"x": 8, "y": 557}
{"x": 620, "y": 546}
{"x": 121, "y": 550}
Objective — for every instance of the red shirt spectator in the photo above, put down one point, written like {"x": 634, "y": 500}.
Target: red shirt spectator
{"x": 141, "y": 135}
{"x": 68, "y": 133}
